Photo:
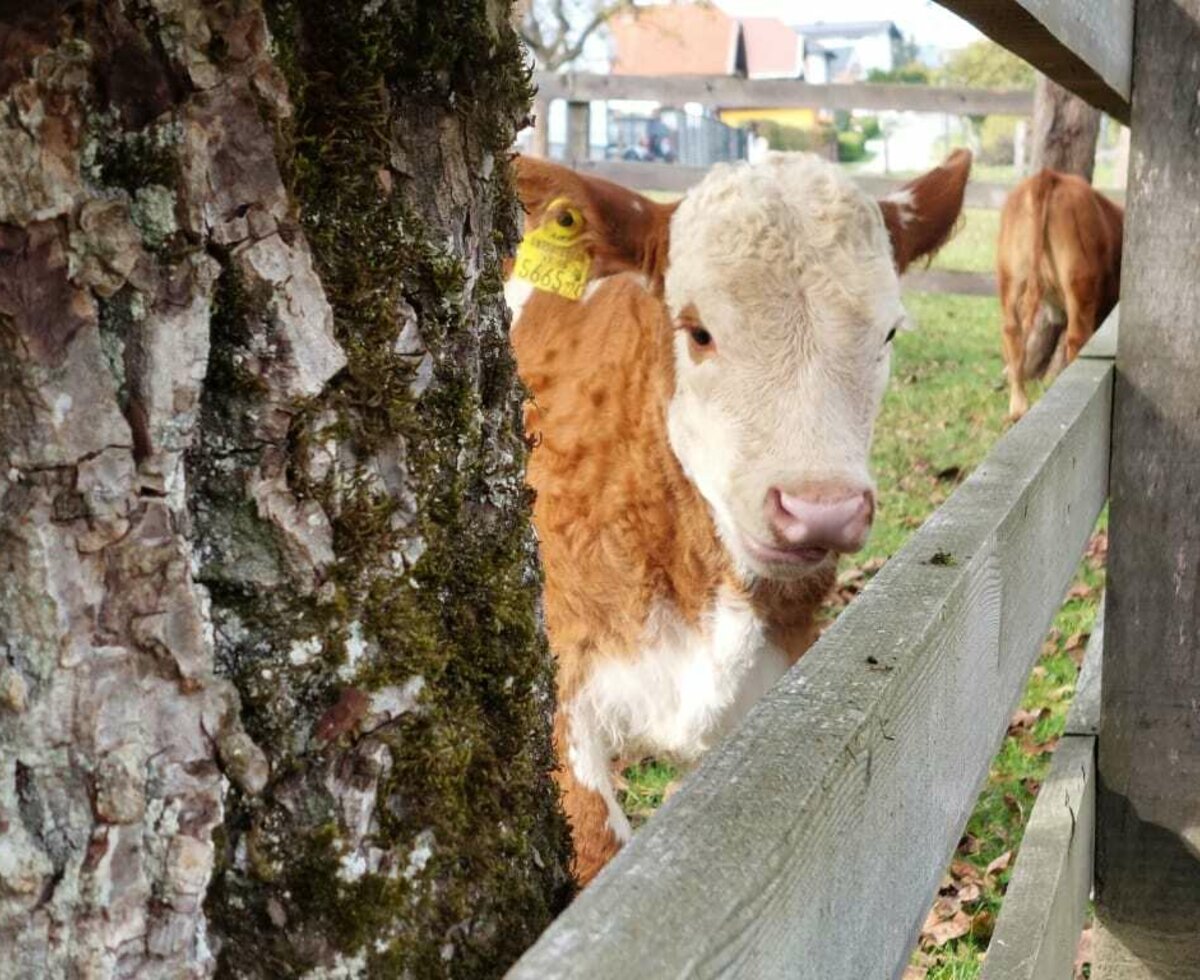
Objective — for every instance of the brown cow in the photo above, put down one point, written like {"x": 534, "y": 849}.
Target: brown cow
{"x": 1060, "y": 246}
{"x": 704, "y": 380}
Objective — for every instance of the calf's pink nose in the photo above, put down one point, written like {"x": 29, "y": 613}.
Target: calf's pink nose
{"x": 833, "y": 518}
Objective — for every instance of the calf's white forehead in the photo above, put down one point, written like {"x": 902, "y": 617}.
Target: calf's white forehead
{"x": 791, "y": 223}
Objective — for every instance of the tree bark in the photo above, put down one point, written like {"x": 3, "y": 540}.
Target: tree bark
{"x": 1065, "y": 130}
{"x": 274, "y": 696}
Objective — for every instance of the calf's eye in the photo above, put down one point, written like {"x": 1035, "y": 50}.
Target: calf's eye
{"x": 700, "y": 336}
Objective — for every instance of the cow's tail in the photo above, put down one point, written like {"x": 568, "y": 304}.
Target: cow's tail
{"x": 1041, "y": 332}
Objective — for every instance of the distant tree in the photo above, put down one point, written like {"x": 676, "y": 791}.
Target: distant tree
{"x": 912, "y": 73}
{"x": 984, "y": 64}
{"x": 555, "y": 32}
{"x": 1065, "y": 130}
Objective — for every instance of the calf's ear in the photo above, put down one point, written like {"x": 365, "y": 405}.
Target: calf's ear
{"x": 922, "y": 215}
{"x": 623, "y": 231}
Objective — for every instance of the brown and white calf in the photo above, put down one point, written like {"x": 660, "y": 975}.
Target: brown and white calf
{"x": 1058, "y": 263}
{"x": 701, "y": 419}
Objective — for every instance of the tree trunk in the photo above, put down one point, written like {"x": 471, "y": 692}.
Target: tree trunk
{"x": 273, "y": 691}
{"x": 1065, "y": 129}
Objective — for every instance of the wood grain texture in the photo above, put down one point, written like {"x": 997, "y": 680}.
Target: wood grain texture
{"x": 831, "y": 813}
{"x": 1042, "y": 915}
{"x": 728, "y": 92}
{"x": 1148, "y": 847}
{"x": 1083, "y": 718}
{"x": 1084, "y": 45}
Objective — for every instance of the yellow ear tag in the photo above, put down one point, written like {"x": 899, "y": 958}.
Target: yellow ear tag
{"x": 552, "y": 257}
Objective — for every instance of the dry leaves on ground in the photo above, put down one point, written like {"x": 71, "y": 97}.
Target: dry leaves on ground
{"x": 1083, "y": 952}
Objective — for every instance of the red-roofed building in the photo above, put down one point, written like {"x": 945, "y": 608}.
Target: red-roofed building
{"x": 677, "y": 40}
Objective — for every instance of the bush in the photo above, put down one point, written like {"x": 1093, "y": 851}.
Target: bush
{"x": 914, "y": 73}
{"x": 851, "y": 147}
{"x": 869, "y": 126}
{"x": 997, "y": 137}
{"x": 792, "y": 138}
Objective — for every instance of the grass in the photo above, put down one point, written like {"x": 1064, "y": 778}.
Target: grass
{"x": 943, "y": 411}
{"x": 973, "y": 248}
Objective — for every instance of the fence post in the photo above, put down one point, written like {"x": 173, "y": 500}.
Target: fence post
{"x": 1148, "y": 830}
{"x": 579, "y": 122}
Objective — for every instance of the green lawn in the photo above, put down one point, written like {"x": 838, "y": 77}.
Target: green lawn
{"x": 973, "y": 247}
{"x": 943, "y": 411}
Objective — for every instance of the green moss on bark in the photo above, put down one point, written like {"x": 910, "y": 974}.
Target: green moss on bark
{"x": 395, "y": 159}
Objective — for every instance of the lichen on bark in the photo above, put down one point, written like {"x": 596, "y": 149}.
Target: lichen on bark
{"x": 412, "y": 688}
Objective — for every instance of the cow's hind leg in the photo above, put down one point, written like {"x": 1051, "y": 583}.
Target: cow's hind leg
{"x": 598, "y": 825}
{"x": 1013, "y": 344}
{"x": 1082, "y": 303}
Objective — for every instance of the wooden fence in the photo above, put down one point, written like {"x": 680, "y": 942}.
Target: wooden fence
{"x": 811, "y": 842}
{"x": 727, "y": 92}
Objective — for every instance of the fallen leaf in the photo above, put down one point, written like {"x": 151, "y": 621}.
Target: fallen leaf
{"x": 1077, "y": 641}
{"x": 983, "y": 924}
{"x": 965, "y": 870}
{"x": 946, "y": 906}
{"x": 941, "y": 932}
{"x": 1031, "y": 785}
{"x": 1023, "y": 720}
{"x": 1031, "y": 747}
{"x": 999, "y": 864}
{"x": 1083, "y": 952}
{"x": 1080, "y": 590}
{"x": 969, "y": 892}
{"x": 1039, "y": 672}
{"x": 915, "y": 973}
{"x": 968, "y": 844}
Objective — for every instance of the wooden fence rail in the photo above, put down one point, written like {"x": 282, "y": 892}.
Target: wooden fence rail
{"x": 1084, "y": 45}
{"x": 727, "y": 92}
{"x": 676, "y": 178}
{"x": 1040, "y": 922}
{"x": 811, "y": 842}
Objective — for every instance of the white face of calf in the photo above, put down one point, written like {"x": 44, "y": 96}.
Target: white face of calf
{"x": 782, "y": 283}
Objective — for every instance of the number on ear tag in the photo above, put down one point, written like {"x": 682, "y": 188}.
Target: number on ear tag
{"x": 552, "y": 257}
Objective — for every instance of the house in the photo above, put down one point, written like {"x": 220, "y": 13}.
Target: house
{"x": 857, "y": 47}
{"x": 704, "y": 40}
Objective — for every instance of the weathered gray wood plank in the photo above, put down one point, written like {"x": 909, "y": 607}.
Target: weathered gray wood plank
{"x": 1083, "y": 717}
{"x": 1084, "y": 45}
{"x": 1104, "y": 340}
{"x": 809, "y": 844}
{"x": 1148, "y": 795}
{"x": 1042, "y": 915}
{"x": 729, "y": 92}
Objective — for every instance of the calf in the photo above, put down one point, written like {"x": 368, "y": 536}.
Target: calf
{"x": 1060, "y": 247}
{"x": 701, "y": 416}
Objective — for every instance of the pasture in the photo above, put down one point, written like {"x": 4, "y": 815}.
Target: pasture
{"x": 943, "y": 411}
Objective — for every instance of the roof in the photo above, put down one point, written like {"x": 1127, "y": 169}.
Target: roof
{"x": 675, "y": 40}
{"x": 772, "y": 48}
{"x": 848, "y": 29}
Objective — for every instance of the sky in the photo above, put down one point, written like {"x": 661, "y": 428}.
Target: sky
{"x": 929, "y": 22}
